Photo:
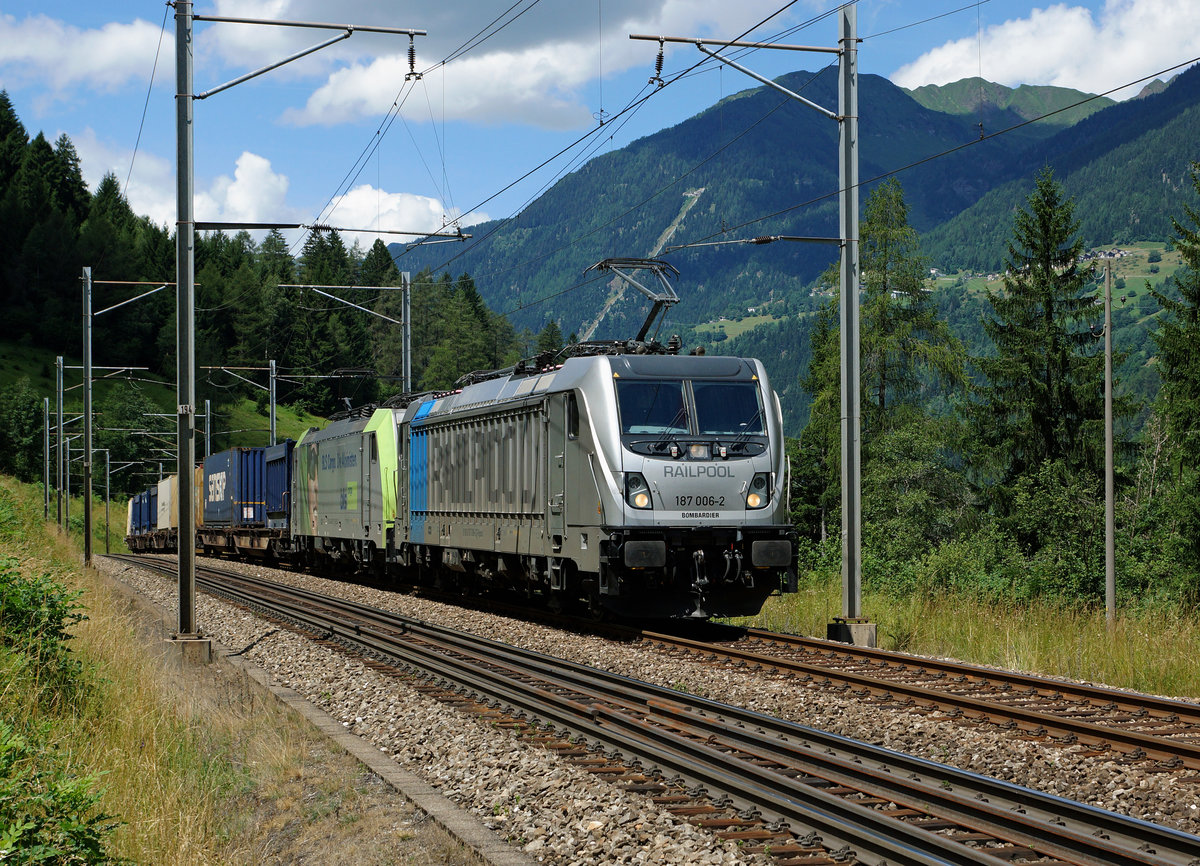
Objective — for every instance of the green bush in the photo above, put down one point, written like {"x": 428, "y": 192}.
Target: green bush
{"x": 35, "y": 609}
{"x": 36, "y": 615}
{"x": 47, "y": 815}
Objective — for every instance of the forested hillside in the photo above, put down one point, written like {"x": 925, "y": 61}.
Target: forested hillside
{"x": 326, "y": 353}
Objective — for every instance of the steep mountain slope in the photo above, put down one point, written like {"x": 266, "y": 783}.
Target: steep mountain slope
{"x": 1127, "y": 168}
{"x": 756, "y": 163}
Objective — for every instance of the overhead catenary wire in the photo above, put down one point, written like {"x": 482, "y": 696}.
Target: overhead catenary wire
{"x": 952, "y": 150}
{"x": 864, "y": 182}
{"x": 355, "y": 170}
{"x": 638, "y": 102}
{"x": 635, "y": 104}
{"x": 385, "y": 125}
{"x": 146, "y": 107}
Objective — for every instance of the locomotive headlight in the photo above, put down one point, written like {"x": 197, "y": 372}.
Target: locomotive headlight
{"x": 760, "y": 491}
{"x": 637, "y": 492}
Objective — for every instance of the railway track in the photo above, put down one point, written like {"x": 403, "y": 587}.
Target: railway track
{"x": 1117, "y": 725}
{"x": 804, "y": 796}
{"x": 1137, "y": 727}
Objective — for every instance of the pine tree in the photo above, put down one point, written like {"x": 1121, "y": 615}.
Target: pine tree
{"x": 35, "y": 179}
{"x": 1042, "y": 400}
{"x": 13, "y": 139}
{"x": 274, "y": 261}
{"x": 68, "y": 190}
{"x": 908, "y": 357}
{"x": 1178, "y": 341}
{"x": 904, "y": 344}
{"x": 378, "y": 267}
{"x": 550, "y": 338}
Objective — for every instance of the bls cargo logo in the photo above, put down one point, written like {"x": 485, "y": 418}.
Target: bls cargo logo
{"x": 348, "y": 497}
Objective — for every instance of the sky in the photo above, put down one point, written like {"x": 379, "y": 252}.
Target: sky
{"x": 512, "y": 94}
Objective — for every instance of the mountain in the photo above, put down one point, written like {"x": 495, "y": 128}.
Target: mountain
{"x": 718, "y": 175}
{"x": 999, "y": 107}
{"x": 757, "y": 163}
{"x": 1126, "y": 167}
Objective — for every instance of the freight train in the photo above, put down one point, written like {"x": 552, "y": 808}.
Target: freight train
{"x": 626, "y": 478}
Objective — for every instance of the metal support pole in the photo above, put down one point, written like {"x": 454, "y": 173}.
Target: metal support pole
{"x": 406, "y": 328}
{"x": 87, "y": 416}
{"x": 107, "y": 495}
{"x": 1110, "y": 558}
{"x": 58, "y": 364}
{"x": 46, "y": 458}
{"x": 185, "y": 317}
{"x": 67, "y": 487}
{"x": 848, "y": 208}
{"x": 272, "y": 401}
{"x": 207, "y": 428}
{"x": 851, "y": 457}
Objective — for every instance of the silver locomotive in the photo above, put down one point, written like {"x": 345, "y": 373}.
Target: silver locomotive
{"x": 649, "y": 485}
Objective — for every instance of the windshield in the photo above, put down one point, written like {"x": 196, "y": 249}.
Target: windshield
{"x": 652, "y": 407}
{"x": 727, "y": 408}
{"x": 665, "y": 408}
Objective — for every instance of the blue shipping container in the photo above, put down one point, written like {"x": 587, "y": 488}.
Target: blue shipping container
{"x": 145, "y": 512}
{"x": 279, "y": 483}
{"x": 235, "y": 488}
{"x": 135, "y": 514}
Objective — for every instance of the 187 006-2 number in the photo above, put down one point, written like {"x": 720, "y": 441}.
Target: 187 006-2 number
{"x": 700, "y": 501}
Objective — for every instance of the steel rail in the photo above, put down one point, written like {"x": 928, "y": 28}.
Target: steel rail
{"x": 907, "y": 776}
{"x": 1035, "y": 722}
{"x": 1129, "y": 701}
{"x": 1021, "y": 817}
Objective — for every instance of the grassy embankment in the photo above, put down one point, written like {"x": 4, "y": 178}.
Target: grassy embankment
{"x": 198, "y": 769}
{"x": 1147, "y": 650}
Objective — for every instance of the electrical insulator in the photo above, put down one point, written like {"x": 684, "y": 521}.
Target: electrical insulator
{"x": 412, "y": 75}
{"x": 658, "y": 67}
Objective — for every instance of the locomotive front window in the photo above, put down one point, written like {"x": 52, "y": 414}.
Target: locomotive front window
{"x": 727, "y": 408}
{"x": 652, "y": 407}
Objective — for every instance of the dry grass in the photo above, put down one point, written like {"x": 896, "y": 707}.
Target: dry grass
{"x": 1152, "y": 651}
{"x": 202, "y": 768}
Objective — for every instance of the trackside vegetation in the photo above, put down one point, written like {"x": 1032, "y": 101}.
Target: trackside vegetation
{"x": 108, "y": 756}
{"x": 983, "y": 471}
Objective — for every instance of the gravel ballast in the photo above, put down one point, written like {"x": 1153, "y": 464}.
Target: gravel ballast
{"x": 558, "y": 813}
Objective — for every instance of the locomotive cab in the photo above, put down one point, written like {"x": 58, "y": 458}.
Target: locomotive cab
{"x": 702, "y": 489}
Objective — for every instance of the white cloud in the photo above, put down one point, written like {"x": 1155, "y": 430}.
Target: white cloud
{"x": 370, "y": 208}
{"x": 1067, "y": 46}
{"x": 42, "y": 50}
{"x": 534, "y": 71}
{"x": 256, "y": 193}
{"x": 151, "y": 190}
{"x": 535, "y": 86}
